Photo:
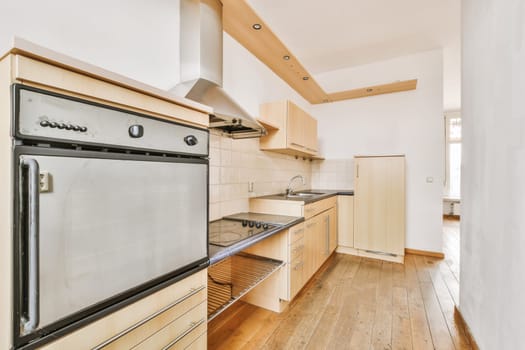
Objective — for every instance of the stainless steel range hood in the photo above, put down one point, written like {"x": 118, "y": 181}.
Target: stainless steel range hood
{"x": 201, "y": 68}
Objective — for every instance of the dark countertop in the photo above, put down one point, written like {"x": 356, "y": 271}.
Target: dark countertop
{"x": 218, "y": 253}
{"x": 325, "y": 194}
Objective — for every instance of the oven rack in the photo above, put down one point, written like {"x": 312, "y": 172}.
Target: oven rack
{"x": 232, "y": 278}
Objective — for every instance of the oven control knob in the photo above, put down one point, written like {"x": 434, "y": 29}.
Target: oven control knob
{"x": 136, "y": 131}
{"x": 69, "y": 127}
{"x": 251, "y": 223}
{"x": 76, "y": 128}
{"x": 61, "y": 126}
{"x": 258, "y": 225}
{"x": 53, "y": 124}
{"x": 44, "y": 123}
{"x": 83, "y": 129}
{"x": 265, "y": 226}
{"x": 191, "y": 140}
{"x": 244, "y": 223}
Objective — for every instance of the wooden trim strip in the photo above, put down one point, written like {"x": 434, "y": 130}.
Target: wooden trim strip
{"x": 438, "y": 255}
{"x": 466, "y": 328}
{"x": 399, "y": 86}
{"x": 238, "y": 19}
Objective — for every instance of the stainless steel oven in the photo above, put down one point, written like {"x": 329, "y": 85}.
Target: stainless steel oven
{"x": 110, "y": 205}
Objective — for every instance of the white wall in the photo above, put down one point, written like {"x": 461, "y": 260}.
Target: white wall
{"x": 139, "y": 39}
{"x": 452, "y": 76}
{"x": 409, "y": 123}
{"x": 135, "y": 38}
{"x": 493, "y": 186}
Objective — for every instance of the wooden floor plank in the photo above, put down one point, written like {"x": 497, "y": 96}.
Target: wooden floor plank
{"x": 366, "y": 283}
{"x": 438, "y": 327}
{"x": 326, "y": 326}
{"x": 382, "y": 326}
{"x": 446, "y": 302}
{"x": 359, "y": 303}
{"x": 401, "y": 331}
{"x": 420, "y": 331}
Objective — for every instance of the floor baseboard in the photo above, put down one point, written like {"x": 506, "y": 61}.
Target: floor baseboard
{"x": 466, "y": 328}
{"x": 425, "y": 253}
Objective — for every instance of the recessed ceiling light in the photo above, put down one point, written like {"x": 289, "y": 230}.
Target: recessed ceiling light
{"x": 305, "y": 78}
{"x": 257, "y": 26}
{"x": 286, "y": 57}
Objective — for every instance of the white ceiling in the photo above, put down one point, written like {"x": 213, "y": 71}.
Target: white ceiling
{"x": 332, "y": 34}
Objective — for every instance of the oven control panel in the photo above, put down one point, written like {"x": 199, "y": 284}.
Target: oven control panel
{"x": 43, "y": 115}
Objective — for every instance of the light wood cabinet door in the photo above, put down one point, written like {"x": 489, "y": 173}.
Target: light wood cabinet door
{"x": 332, "y": 230}
{"x": 295, "y": 127}
{"x": 345, "y": 221}
{"x": 310, "y": 247}
{"x": 379, "y": 200}
{"x": 326, "y": 236}
{"x": 294, "y": 131}
{"x": 310, "y": 134}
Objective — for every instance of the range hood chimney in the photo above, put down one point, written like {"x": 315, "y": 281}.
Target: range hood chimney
{"x": 201, "y": 68}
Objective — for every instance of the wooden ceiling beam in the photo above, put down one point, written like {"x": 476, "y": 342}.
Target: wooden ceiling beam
{"x": 238, "y": 21}
{"x": 398, "y": 86}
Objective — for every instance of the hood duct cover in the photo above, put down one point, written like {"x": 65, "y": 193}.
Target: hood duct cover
{"x": 201, "y": 68}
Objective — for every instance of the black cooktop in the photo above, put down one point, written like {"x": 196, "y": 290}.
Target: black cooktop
{"x": 226, "y": 232}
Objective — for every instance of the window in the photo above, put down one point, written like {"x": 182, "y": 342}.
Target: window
{"x": 453, "y": 155}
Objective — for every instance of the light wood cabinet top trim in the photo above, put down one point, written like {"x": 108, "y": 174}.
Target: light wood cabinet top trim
{"x": 37, "y": 52}
{"x": 238, "y": 19}
{"x": 33, "y": 72}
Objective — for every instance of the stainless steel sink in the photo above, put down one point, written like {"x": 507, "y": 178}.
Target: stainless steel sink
{"x": 303, "y": 194}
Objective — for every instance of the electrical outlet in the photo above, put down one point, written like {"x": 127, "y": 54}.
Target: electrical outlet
{"x": 430, "y": 179}
{"x": 44, "y": 182}
{"x": 250, "y": 186}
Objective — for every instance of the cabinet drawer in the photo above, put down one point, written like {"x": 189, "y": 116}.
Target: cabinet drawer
{"x": 318, "y": 207}
{"x": 198, "y": 344}
{"x": 105, "y": 331}
{"x": 180, "y": 333}
{"x": 296, "y": 276}
{"x": 296, "y": 249}
{"x": 155, "y": 322}
{"x": 296, "y": 232}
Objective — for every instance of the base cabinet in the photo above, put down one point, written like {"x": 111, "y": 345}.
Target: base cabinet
{"x": 172, "y": 318}
{"x": 309, "y": 243}
{"x": 379, "y": 205}
{"x": 345, "y": 222}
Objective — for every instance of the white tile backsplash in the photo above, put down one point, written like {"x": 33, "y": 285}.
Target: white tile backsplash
{"x": 235, "y": 163}
{"x": 333, "y": 174}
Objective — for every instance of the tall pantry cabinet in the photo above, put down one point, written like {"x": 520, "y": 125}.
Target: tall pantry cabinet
{"x": 379, "y": 206}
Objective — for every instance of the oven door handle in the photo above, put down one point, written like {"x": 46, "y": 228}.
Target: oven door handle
{"x": 30, "y": 321}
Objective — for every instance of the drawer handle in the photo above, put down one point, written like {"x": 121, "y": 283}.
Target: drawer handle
{"x": 191, "y": 327}
{"x": 298, "y": 266}
{"x": 311, "y": 225}
{"x": 297, "y": 145}
{"x": 298, "y": 231}
{"x": 192, "y": 292}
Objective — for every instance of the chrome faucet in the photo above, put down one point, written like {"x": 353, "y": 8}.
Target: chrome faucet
{"x": 289, "y": 188}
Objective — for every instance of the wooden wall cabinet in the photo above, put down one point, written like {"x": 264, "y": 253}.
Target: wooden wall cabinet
{"x": 291, "y": 131}
{"x": 379, "y": 206}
